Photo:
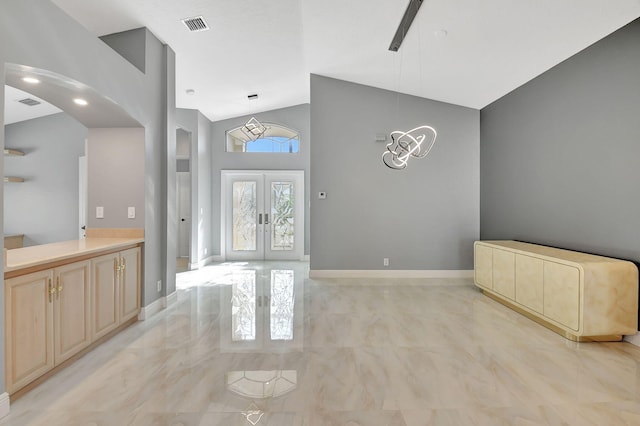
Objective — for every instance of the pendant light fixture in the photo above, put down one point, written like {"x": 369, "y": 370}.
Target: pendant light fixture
{"x": 253, "y": 129}
{"x": 417, "y": 142}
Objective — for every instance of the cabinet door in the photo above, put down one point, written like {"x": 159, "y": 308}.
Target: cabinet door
{"x": 129, "y": 284}
{"x": 562, "y": 294}
{"x": 484, "y": 265}
{"x": 529, "y": 280}
{"x": 105, "y": 294}
{"x": 72, "y": 309}
{"x": 504, "y": 273}
{"x": 28, "y": 328}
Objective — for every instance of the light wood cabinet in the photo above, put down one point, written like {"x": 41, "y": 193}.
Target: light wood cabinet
{"x": 529, "y": 282}
{"x": 116, "y": 295}
{"x": 105, "y": 294}
{"x": 504, "y": 273}
{"x": 562, "y": 294}
{"x": 46, "y": 319}
{"x": 129, "y": 284}
{"x": 28, "y": 328}
{"x": 53, "y": 314}
{"x": 484, "y": 265}
{"x": 72, "y": 309}
{"x": 584, "y": 297}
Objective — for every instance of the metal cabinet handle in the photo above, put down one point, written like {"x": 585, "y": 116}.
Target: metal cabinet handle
{"x": 52, "y": 290}
{"x": 58, "y": 288}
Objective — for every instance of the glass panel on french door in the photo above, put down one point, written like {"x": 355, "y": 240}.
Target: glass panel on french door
{"x": 282, "y": 304}
{"x": 243, "y": 306}
{"x": 244, "y": 216}
{"x": 282, "y": 215}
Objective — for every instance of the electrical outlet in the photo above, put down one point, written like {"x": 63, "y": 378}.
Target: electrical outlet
{"x": 159, "y": 286}
{"x": 385, "y": 261}
{"x": 131, "y": 212}
{"x": 99, "y": 212}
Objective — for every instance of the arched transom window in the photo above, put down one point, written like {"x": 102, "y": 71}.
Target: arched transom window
{"x": 255, "y": 136}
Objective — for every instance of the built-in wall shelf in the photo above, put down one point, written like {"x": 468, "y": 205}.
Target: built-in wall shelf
{"x": 13, "y": 152}
{"x": 8, "y": 179}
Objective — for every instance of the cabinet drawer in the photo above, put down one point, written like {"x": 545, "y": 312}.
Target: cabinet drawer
{"x": 504, "y": 273}
{"x": 529, "y": 282}
{"x": 562, "y": 294}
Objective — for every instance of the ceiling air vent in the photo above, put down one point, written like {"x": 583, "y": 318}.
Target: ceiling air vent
{"x": 195, "y": 24}
{"x": 29, "y": 102}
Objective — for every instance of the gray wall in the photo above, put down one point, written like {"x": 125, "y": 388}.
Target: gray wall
{"x": 559, "y": 155}
{"x": 45, "y": 207}
{"x": 199, "y": 127}
{"x": 132, "y": 45}
{"x": 63, "y": 46}
{"x": 424, "y": 217}
{"x": 115, "y": 181}
{"x": 297, "y": 118}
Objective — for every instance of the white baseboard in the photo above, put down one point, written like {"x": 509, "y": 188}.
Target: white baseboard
{"x": 171, "y": 299}
{"x": 634, "y": 339}
{"x": 4, "y": 405}
{"x": 152, "y": 308}
{"x": 390, "y": 273}
{"x": 217, "y": 258}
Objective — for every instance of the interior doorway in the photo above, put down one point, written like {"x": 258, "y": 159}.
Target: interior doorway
{"x": 263, "y": 214}
{"x": 183, "y": 199}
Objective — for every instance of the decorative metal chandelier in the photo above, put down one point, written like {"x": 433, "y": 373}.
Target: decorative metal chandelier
{"x": 415, "y": 143}
{"x": 253, "y": 129}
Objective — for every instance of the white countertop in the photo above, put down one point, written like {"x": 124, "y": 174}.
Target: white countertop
{"x": 27, "y": 257}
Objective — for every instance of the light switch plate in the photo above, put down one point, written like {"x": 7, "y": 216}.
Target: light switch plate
{"x": 99, "y": 212}
{"x": 131, "y": 212}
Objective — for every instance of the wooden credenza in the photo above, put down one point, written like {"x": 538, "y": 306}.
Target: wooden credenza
{"x": 580, "y": 296}
{"x": 55, "y": 313}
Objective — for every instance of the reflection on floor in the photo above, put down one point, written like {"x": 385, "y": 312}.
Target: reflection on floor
{"x": 261, "y": 344}
{"x": 182, "y": 264}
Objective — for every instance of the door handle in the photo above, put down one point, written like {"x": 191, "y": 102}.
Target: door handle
{"x": 182, "y": 220}
{"x": 266, "y": 218}
{"x": 260, "y": 219}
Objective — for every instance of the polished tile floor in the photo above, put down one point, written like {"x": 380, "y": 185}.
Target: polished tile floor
{"x": 261, "y": 344}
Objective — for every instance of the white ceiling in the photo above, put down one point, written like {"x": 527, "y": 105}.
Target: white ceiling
{"x": 14, "y": 111}
{"x": 269, "y": 48}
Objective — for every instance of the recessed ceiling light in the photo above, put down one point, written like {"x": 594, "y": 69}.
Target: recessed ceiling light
{"x": 81, "y": 102}
{"x": 190, "y": 92}
{"x": 30, "y": 80}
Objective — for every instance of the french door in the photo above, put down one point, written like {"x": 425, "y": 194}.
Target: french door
{"x": 263, "y": 214}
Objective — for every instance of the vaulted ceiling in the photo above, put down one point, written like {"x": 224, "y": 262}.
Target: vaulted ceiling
{"x": 465, "y": 52}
